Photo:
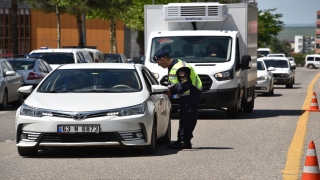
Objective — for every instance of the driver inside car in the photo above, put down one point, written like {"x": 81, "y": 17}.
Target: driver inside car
{"x": 127, "y": 79}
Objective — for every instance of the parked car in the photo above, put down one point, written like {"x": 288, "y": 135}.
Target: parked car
{"x": 10, "y": 82}
{"x": 96, "y": 55}
{"x": 265, "y": 78}
{"x": 119, "y": 105}
{"x": 115, "y": 58}
{"x": 283, "y": 73}
{"x": 312, "y": 61}
{"x": 32, "y": 70}
{"x": 56, "y": 57}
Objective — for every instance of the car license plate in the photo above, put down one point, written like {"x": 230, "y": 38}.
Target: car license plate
{"x": 78, "y": 129}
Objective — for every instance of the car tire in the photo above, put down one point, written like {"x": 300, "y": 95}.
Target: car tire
{"x": 166, "y": 139}
{"x": 150, "y": 149}
{"x": 234, "y": 111}
{"x": 27, "y": 151}
{"x": 310, "y": 66}
{"x": 4, "y": 104}
{"x": 19, "y": 102}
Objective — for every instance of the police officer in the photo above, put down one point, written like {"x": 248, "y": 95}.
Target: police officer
{"x": 186, "y": 84}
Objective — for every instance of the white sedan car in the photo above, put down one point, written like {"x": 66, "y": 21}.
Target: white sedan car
{"x": 111, "y": 104}
{"x": 265, "y": 78}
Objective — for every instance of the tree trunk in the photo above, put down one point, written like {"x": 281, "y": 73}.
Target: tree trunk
{"x": 79, "y": 25}
{"x": 14, "y": 27}
{"x": 140, "y": 42}
{"x": 58, "y": 27}
{"x": 113, "y": 36}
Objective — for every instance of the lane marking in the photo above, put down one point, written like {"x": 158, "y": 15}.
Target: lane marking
{"x": 292, "y": 168}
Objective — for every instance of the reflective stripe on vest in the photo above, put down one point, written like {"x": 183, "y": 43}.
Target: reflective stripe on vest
{"x": 193, "y": 76}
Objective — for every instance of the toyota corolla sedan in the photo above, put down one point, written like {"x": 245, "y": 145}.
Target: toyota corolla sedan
{"x": 265, "y": 78}
{"x": 112, "y": 104}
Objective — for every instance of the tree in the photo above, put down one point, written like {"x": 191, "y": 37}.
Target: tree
{"x": 112, "y": 12}
{"x": 269, "y": 26}
{"x": 49, "y": 6}
{"x": 14, "y": 27}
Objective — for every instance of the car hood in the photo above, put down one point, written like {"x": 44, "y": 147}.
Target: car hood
{"x": 280, "y": 70}
{"x": 84, "y": 101}
{"x": 54, "y": 66}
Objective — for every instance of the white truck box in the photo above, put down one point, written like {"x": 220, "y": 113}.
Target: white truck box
{"x": 235, "y": 26}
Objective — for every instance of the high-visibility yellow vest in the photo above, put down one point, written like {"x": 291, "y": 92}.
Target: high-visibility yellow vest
{"x": 173, "y": 79}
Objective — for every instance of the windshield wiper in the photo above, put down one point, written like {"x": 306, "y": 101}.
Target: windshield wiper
{"x": 100, "y": 90}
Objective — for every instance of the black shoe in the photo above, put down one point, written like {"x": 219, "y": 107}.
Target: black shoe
{"x": 174, "y": 143}
{"x": 182, "y": 145}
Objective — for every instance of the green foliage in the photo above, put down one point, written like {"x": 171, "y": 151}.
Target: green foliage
{"x": 299, "y": 59}
{"x": 45, "y": 6}
{"x": 269, "y": 26}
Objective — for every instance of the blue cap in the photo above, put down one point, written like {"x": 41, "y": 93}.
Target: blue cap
{"x": 159, "y": 55}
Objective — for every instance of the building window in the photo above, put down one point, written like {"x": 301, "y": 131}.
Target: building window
{"x": 319, "y": 16}
{"x": 318, "y": 36}
{"x": 318, "y": 26}
{"x": 317, "y": 46}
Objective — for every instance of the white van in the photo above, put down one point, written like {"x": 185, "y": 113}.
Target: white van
{"x": 312, "y": 61}
{"x": 56, "y": 57}
{"x": 96, "y": 55}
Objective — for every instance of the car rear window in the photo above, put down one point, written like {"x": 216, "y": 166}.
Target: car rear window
{"x": 112, "y": 58}
{"x": 56, "y": 58}
{"x": 22, "y": 65}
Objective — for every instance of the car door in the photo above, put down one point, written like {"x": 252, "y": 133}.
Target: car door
{"x": 160, "y": 101}
{"x": 13, "y": 82}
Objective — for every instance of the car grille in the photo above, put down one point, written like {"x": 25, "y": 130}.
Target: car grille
{"x": 205, "y": 79}
{"x": 280, "y": 75}
{"x": 70, "y": 114}
{"x": 72, "y": 138}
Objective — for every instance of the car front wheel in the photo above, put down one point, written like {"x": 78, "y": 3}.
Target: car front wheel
{"x": 4, "y": 104}
{"x": 150, "y": 149}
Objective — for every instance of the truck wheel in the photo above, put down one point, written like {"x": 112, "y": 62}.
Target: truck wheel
{"x": 234, "y": 111}
{"x": 248, "y": 107}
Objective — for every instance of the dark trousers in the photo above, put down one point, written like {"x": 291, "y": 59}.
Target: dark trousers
{"x": 188, "y": 120}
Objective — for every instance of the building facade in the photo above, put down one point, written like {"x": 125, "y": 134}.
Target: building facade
{"x": 37, "y": 29}
{"x": 317, "y": 46}
{"x": 304, "y": 44}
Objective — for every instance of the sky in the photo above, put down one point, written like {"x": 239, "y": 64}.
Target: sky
{"x": 294, "y": 12}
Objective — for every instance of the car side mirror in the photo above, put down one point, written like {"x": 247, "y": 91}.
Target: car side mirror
{"x": 158, "y": 89}
{"x": 271, "y": 68}
{"x": 245, "y": 62}
{"x": 10, "y": 73}
{"x": 25, "y": 90}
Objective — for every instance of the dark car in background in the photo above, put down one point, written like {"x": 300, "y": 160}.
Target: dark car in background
{"x": 115, "y": 58}
{"x": 32, "y": 70}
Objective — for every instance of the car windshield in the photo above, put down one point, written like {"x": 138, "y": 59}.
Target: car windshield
{"x": 262, "y": 52}
{"x": 194, "y": 49}
{"x": 112, "y": 58}
{"x": 91, "y": 81}
{"x": 275, "y": 55}
{"x": 276, "y": 63}
{"x": 56, "y": 58}
{"x": 22, "y": 64}
{"x": 260, "y": 66}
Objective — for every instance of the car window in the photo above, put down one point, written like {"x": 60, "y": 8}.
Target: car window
{"x": 56, "y": 58}
{"x": 260, "y": 66}
{"x": 22, "y": 65}
{"x": 276, "y": 63}
{"x": 9, "y": 66}
{"x": 43, "y": 67}
{"x": 310, "y": 58}
{"x": 91, "y": 81}
{"x": 317, "y": 59}
{"x": 81, "y": 57}
{"x": 112, "y": 58}
{"x": 151, "y": 77}
{"x": 4, "y": 67}
{"x": 47, "y": 65}
{"x": 147, "y": 80}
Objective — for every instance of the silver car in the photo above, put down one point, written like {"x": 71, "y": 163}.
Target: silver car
{"x": 10, "y": 82}
{"x": 33, "y": 70}
{"x": 265, "y": 78}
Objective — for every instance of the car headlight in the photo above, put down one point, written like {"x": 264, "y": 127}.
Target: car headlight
{"x": 32, "y": 111}
{"x": 225, "y": 75}
{"x": 127, "y": 111}
{"x": 264, "y": 77}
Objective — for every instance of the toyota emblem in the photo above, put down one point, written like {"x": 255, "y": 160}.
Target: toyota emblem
{"x": 78, "y": 116}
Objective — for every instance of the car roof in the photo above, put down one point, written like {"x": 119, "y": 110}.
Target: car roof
{"x": 100, "y": 66}
{"x": 273, "y": 58}
{"x": 56, "y": 50}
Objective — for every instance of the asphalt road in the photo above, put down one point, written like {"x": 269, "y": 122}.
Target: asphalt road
{"x": 254, "y": 146}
